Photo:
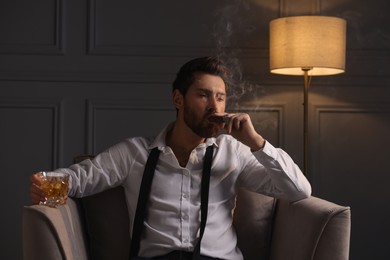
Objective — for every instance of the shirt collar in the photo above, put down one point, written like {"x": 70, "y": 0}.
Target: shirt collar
{"x": 159, "y": 141}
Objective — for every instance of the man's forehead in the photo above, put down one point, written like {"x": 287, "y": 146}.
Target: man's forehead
{"x": 208, "y": 81}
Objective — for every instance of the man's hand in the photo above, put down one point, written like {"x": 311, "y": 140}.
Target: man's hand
{"x": 240, "y": 127}
{"x": 37, "y": 195}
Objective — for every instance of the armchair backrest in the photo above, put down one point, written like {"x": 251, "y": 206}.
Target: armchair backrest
{"x": 107, "y": 225}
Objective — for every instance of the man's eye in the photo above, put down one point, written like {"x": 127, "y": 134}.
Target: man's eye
{"x": 221, "y": 98}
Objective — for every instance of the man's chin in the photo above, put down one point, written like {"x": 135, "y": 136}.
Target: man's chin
{"x": 206, "y": 132}
{"x": 209, "y": 132}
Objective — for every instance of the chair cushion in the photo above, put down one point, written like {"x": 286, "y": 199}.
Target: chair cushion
{"x": 253, "y": 217}
{"x": 107, "y": 223}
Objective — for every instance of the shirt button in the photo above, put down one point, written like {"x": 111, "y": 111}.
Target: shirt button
{"x": 185, "y": 240}
{"x": 185, "y": 196}
{"x": 185, "y": 217}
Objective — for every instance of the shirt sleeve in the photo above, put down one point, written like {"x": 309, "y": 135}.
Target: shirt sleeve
{"x": 107, "y": 170}
{"x": 275, "y": 174}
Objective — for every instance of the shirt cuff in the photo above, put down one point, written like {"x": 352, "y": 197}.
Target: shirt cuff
{"x": 268, "y": 150}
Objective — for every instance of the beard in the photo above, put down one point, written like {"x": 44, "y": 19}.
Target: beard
{"x": 200, "y": 124}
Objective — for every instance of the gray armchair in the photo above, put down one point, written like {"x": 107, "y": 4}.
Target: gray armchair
{"x": 97, "y": 227}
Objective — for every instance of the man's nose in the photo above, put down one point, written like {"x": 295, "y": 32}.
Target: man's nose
{"x": 212, "y": 105}
{"x": 211, "y": 110}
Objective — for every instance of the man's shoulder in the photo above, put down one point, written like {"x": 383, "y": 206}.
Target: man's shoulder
{"x": 139, "y": 140}
{"x": 131, "y": 143}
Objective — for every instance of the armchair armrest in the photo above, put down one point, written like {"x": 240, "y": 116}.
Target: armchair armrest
{"x": 311, "y": 229}
{"x": 53, "y": 233}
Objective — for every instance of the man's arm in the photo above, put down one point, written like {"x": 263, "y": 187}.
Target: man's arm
{"x": 288, "y": 181}
{"x": 106, "y": 170}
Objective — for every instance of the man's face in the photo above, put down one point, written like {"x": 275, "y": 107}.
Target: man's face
{"x": 206, "y": 96}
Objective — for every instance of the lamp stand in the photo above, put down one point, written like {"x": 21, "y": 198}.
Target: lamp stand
{"x": 309, "y": 45}
{"x": 305, "y": 117}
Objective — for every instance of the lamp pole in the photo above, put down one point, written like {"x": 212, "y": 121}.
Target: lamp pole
{"x": 306, "y": 117}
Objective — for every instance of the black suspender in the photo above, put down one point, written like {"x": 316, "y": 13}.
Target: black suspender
{"x": 144, "y": 196}
{"x": 204, "y": 198}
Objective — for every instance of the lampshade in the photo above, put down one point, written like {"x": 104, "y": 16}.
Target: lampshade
{"x": 316, "y": 43}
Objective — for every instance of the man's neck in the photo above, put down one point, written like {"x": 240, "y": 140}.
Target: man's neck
{"x": 182, "y": 141}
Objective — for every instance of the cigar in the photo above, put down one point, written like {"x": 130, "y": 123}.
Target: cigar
{"x": 219, "y": 119}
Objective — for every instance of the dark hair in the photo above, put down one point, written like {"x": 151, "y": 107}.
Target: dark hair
{"x": 210, "y": 65}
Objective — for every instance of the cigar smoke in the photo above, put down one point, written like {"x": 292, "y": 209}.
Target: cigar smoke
{"x": 235, "y": 22}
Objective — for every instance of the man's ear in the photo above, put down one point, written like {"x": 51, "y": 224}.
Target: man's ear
{"x": 177, "y": 98}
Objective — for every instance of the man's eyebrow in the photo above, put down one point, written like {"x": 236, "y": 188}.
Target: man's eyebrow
{"x": 209, "y": 91}
{"x": 203, "y": 90}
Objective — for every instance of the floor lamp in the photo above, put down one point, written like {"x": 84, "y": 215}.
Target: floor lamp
{"x": 307, "y": 46}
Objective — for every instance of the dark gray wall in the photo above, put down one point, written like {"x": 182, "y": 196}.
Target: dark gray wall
{"x": 77, "y": 76}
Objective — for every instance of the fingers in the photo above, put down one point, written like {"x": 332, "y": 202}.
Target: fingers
{"x": 37, "y": 195}
{"x": 236, "y": 122}
{"x": 240, "y": 127}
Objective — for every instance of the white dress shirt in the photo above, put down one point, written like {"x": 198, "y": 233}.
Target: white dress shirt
{"x": 173, "y": 216}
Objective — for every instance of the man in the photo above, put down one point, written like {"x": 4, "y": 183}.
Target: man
{"x": 241, "y": 158}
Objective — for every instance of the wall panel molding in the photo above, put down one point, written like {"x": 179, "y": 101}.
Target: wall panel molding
{"x": 33, "y": 47}
{"x": 364, "y": 67}
{"x": 97, "y": 107}
{"x": 54, "y": 107}
{"x": 87, "y": 76}
{"x": 150, "y": 49}
{"x": 375, "y": 112}
{"x": 146, "y": 50}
